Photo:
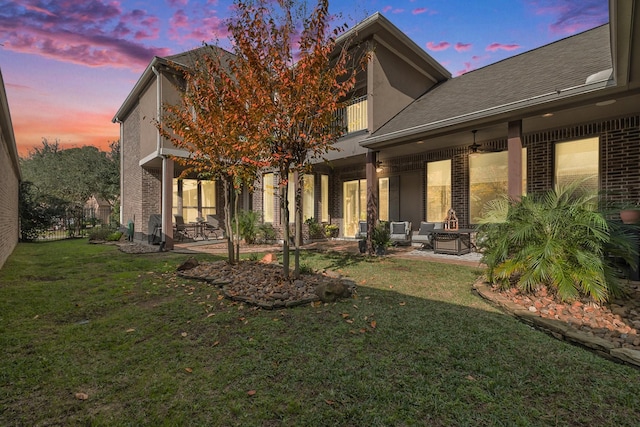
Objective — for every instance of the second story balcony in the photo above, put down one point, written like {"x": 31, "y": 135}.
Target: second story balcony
{"x": 353, "y": 117}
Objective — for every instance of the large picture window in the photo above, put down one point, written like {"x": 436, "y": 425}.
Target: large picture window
{"x": 324, "y": 198}
{"x": 383, "y": 203}
{"x": 268, "y": 197}
{"x": 489, "y": 179}
{"x": 194, "y": 198}
{"x": 308, "y": 197}
{"x": 438, "y": 190}
{"x": 577, "y": 161}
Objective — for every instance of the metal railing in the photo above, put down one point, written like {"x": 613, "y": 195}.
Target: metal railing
{"x": 353, "y": 116}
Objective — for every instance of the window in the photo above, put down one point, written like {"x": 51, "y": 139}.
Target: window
{"x": 488, "y": 179}
{"x": 577, "y": 160}
{"x": 354, "y": 204}
{"x": 324, "y": 198}
{"x": 194, "y": 198}
{"x": 383, "y": 202}
{"x": 268, "y": 197}
{"x": 438, "y": 190}
{"x": 308, "y": 197}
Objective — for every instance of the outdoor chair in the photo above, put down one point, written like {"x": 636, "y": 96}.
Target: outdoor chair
{"x": 424, "y": 236}
{"x": 362, "y": 230}
{"x": 212, "y": 226}
{"x": 400, "y": 232}
{"x": 181, "y": 229}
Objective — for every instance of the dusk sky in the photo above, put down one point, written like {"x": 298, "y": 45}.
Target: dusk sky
{"x": 68, "y": 65}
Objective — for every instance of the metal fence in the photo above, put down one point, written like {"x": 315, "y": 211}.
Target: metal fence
{"x": 72, "y": 226}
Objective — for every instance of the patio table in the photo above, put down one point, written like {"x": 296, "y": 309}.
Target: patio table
{"x": 453, "y": 242}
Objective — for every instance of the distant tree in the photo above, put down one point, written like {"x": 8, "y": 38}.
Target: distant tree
{"x": 38, "y": 212}
{"x": 73, "y": 175}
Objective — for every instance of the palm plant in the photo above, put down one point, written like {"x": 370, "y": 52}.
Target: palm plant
{"x": 558, "y": 239}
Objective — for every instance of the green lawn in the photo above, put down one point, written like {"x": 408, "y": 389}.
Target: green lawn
{"x": 149, "y": 348}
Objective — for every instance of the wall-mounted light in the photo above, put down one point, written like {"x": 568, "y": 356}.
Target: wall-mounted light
{"x": 474, "y": 147}
{"x": 378, "y": 166}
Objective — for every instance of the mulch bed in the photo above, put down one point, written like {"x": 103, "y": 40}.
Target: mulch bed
{"x": 263, "y": 284}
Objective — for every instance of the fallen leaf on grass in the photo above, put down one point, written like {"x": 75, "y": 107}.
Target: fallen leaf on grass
{"x": 210, "y": 314}
{"x": 349, "y": 321}
{"x": 403, "y": 303}
{"x": 470, "y": 378}
{"x": 130, "y": 330}
{"x": 189, "y": 370}
{"x": 216, "y": 343}
{"x": 251, "y": 392}
{"x": 330, "y": 402}
{"x": 36, "y": 316}
{"x": 374, "y": 324}
{"x": 316, "y": 303}
{"x": 363, "y": 330}
{"x": 184, "y": 334}
{"x": 355, "y": 306}
{"x": 345, "y": 315}
{"x": 82, "y": 396}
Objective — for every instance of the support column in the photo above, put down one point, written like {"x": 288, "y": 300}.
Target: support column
{"x": 372, "y": 195}
{"x": 514, "y": 135}
{"x": 167, "y": 203}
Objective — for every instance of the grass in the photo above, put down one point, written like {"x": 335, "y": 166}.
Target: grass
{"x": 416, "y": 347}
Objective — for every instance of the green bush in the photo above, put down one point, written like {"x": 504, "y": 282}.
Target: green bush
{"x": 248, "y": 224}
{"x": 331, "y": 230}
{"x": 558, "y": 239}
{"x": 100, "y": 233}
{"x": 381, "y": 235}
{"x": 115, "y": 236}
{"x": 316, "y": 230}
{"x": 266, "y": 232}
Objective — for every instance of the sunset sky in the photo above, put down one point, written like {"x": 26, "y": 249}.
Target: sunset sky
{"x": 68, "y": 65}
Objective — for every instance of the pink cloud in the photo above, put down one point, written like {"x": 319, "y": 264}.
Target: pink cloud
{"x": 201, "y": 29}
{"x": 499, "y": 46}
{"x": 91, "y": 33}
{"x": 572, "y": 16}
{"x": 387, "y": 9}
{"x": 438, "y": 46}
{"x": 397, "y": 11}
{"x": 419, "y": 10}
{"x": 467, "y": 67}
{"x": 462, "y": 47}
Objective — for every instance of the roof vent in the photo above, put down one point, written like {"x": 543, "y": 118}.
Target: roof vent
{"x": 600, "y": 76}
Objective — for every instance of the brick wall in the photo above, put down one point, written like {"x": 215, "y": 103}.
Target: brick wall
{"x": 9, "y": 224}
{"x": 131, "y": 191}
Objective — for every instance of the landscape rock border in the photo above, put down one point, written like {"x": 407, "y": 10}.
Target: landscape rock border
{"x": 261, "y": 284}
{"x": 559, "y": 329}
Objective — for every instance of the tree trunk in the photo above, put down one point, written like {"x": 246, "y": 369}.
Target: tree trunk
{"x": 227, "y": 220}
{"x": 284, "y": 208}
{"x": 298, "y": 223}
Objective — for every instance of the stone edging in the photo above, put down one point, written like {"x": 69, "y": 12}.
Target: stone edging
{"x": 558, "y": 329}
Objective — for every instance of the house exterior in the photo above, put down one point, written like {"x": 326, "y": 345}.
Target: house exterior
{"x": 9, "y": 181}
{"x": 420, "y": 142}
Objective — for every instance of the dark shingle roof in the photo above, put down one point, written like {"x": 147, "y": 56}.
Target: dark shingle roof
{"x": 559, "y": 65}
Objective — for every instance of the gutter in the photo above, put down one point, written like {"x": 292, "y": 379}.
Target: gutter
{"x": 511, "y": 107}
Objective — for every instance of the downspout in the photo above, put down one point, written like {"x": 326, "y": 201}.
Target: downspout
{"x": 158, "y": 144}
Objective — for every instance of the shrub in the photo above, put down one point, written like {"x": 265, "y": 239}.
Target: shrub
{"x": 316, "y": 230}
{"x": 380, "y": 235}
{"x": 331, "y": 230}
{"x": 115, "y": 236}
{"x": 248, "y": 224}
{"x": 266, "y": 232}
{"x": 558, "y": 239}
{"x": 100, "y": 233}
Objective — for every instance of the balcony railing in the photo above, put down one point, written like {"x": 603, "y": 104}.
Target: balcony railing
{"x": 353, "y": 117}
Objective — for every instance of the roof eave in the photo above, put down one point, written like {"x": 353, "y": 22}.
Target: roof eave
{"x": 515, "y": 109}
{"x": 144, "y": 79}
{"x": 376, "y": 23}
